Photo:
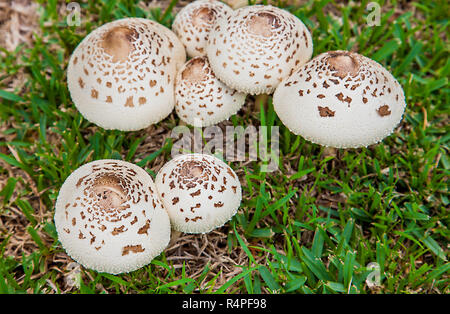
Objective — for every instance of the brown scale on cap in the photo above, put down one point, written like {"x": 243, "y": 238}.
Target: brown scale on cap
{"x": 344, "y": 63}
{"x": 194, "y": 71}
{"x": 191, "y": 169}
{"x": 118, "y": 42}
{"x": 132, "y": 249}
{"x": 203, "y": 15}
{"x": 110, "y": 192}
{"x": 325, "y": 112}
{"x": 263, "y": 24}
{"x": 384, "y": 111}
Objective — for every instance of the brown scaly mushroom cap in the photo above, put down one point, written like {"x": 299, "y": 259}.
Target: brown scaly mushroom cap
{"x": 201, "y": 99}
{"x": 122, "y": 75}
{"x": 109, "y": 217}
{"x": 340, "y": 99}
{"x": 253, "y": 49}
{"x": 193, "y": 23}
{"x": 200, "y": 192}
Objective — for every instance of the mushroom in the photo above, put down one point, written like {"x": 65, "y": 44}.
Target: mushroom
{"x": 121, "y": 76}
{"x": 200, "y": 98}
{"x": 200, "y": 192}
{"x": 193, "y": 23}
{"x": 255, "y": 47}
{"x": 340, "y": 99}
{"x": 109, "y": 217}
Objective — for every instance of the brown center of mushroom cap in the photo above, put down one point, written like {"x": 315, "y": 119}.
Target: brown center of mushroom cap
{"x": 203, "y": 16}
{"x": 118, "y": 42}
{"x": 343, "y": 63}
{"x": 191, "y": 169}
{"x": 263, "y": 23}
{"x": 109, "y": 192}
{"x": 195, "y": 71}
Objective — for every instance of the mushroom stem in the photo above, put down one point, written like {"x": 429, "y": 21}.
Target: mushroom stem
{"x": 174, "y": 235}
{"x": 329, "y": 151}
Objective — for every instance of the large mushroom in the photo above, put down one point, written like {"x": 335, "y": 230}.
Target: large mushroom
{"x": 121, "y": 76}
{"x": 194, "y": 21}
{"x": 109, "y": 217}
{"x": 255, "y": 47}
{"x": 200, "y": 192}
{"x": 200, "y": 98}
{"x": 340, "y": 99}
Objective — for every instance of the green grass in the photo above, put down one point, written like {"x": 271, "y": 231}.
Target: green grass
{"x": 313, "y": 226}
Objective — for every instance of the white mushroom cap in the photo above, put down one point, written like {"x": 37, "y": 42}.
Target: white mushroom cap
{"x": 340, "y": 99}
{"x": 193, "y": 23}
{"x": 200, "y": 192}
{"x": 253, "y": 49}
{"x": 200, "y": 98}
{"x": 122, "y": 75}
{"x": 109, "y": 217}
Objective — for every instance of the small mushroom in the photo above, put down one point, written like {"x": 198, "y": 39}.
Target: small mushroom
{"x": 200, "y": 192}
{"x": 200, "y": 98}
{"x": 255, "y": 47}
{"x": 194, "y": 21}
{"x": 122, "y": 75}
{"x": 109, "y": 217}
{"x": 340, "y": 99}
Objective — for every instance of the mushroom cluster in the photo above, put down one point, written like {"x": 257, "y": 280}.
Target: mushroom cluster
{"x": 128, "y": 74}
{"x": 110, "y": 215}
{"x": 246, "y": 51}
{"x": 131, "y": 73}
